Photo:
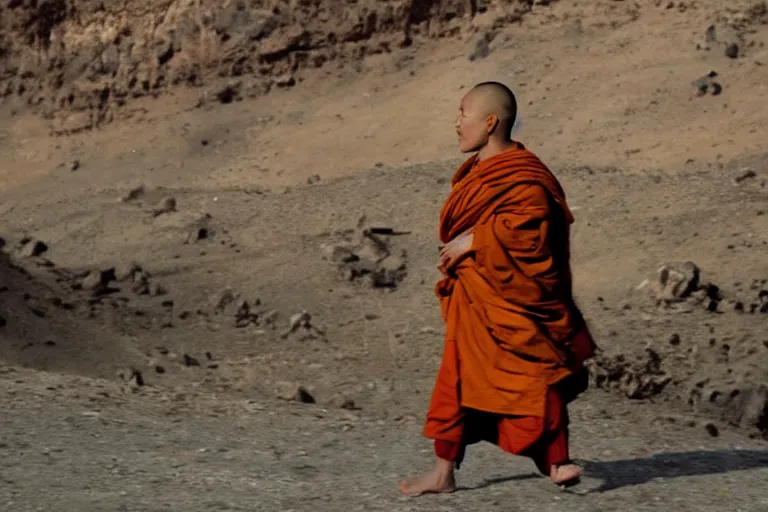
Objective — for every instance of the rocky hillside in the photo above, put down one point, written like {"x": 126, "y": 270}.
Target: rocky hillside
{"x": 79, "y": 61}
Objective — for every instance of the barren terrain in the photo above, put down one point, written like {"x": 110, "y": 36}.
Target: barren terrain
{"x": 218, "y": 247}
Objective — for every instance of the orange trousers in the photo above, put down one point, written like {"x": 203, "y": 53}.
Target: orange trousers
{"x": 453, "y": 427}
{"x": 524, "y": 436}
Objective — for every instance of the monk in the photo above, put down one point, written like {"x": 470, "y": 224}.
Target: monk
{"x": 515, "y": 340}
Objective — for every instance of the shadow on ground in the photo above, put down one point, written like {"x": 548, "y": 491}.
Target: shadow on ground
{"x": 628, "y": 472}
{"x": 621, "y": 473}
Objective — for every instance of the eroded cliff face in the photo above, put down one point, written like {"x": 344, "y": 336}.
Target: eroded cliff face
{"x": 80, "y": 61}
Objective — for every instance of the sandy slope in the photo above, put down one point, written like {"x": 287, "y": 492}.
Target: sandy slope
{"x": 654, "y": 173}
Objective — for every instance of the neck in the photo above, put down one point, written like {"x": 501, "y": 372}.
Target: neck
{"x": 494, "y": 147}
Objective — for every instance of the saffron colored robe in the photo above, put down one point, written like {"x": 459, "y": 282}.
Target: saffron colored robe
{"x": 515, "y": 340}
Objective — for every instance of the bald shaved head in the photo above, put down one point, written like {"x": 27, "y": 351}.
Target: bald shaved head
{"x": 487, "y": 116}
{"x": 495, "y": 98}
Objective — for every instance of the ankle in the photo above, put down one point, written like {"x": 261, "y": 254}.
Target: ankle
{"x": 445, "y": 467}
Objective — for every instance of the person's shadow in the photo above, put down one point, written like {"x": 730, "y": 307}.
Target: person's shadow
{"x": 621, "y": 473}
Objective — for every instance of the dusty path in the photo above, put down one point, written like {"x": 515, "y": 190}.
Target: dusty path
{"x": 137, "y": 457}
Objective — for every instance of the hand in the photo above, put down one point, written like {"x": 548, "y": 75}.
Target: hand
{"x": 455, "y": 250}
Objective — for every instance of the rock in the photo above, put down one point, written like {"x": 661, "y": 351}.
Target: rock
{"x": 732, "y": 51}
{"x": 707, "y": 84}
{"x": 270, "y": 318}
{"x": 156, "y": 290}
{"x": 745, "y": 175}
{"x": 343, "y": 402}
{"x": 190, "y": 361}
{"x": 314, "y": 179}
{"x": 30, "y": 248}
{"x": 226, "y": 303}
{"x": 373, "y": 249}
{"x": 676, "y": 281}
{"x": 229, "y": 94}
{"x": 371, "y": 258}
{"x": 166, "y": 205}
{"x": 132, "y": 377}
{"x": 339, "y": 253}
{"x": 292, "y": 391}
{"x": 141, "y": 283}
{"x": 74, "y": 165}
{"x": 638, "y": 379}
{"x": 749, "y": 409}
{"x": 200, "y": 228}
{"x": 126, "y": 271}
{"x": 710, "y": 36}
{"x": 133, "y": 194}
{"x": 387, "y": 278}
{"x": 482, "y": 48}
{"x": 137, "y": 379}
{"x": 712, "y": 429}
{"x": 674, "y": 340}
{"x": 300, "y": 320}
{"x": 244, "y": 316}
{"x": 285, "y": 81}
{"x": 94, "y": 281}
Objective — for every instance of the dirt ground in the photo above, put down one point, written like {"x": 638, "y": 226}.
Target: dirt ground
{"x": 197, "y": 312}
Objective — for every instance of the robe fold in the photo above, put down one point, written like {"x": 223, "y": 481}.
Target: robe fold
{"x": 515, "y": 341}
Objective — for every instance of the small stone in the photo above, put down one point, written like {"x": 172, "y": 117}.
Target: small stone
{"x": 126, "y": 271}
{"x": 74, "y": 165}
{"x": 228, "y": 94}
{"x": 745, "y": 175}
{"x": 343, "y": 402}
{"x": 133, "y": 194}
{"x": 93, "y": 281}
{"x": 292, "y": 391}
{"x": 298, "y": 320}
{"x": 159, "y": 369}
{"x": 676, "y": 281}
{"x": 140, "y": 283}
{"x": 157, "y": 290}
{"x": 314, "y": 179}
{"x": 482, "y": 48}
{"x": 285, "y": 81}
{"x": 674, "y": 340}
{"x": 270, "y": 317}
{"x": 712, "y": 429}
{"x": 190, "y": 361}
{"x": 732, "y": 51}
{"x": 339, "y": 253}
{"x": 31, "y": 248}
{"x": 166, "y": 205}
{"x": 3, "y": 322}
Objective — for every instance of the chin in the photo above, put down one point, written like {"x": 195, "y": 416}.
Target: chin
{"x": 467, "y": 148}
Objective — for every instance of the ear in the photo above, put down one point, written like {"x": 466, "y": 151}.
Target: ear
{"x": 492, "y": 123}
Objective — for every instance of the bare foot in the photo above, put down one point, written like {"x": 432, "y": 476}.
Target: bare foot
{"x": 439, "y": 480}
{"x": 567, "y": 474}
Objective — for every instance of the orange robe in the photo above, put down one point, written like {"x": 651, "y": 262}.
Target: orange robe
{"x": 515, "y": 340}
